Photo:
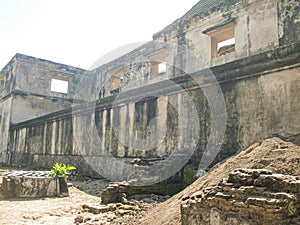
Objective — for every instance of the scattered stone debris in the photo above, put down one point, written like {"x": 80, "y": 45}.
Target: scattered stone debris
{"x": 112, "y": 212}
{"x": 114, "y": 192}
{"x": 118, "y": 208}
{"x": 249, "y": 196}
{"x": 79, "y": 219}
{"x": 95, "y": 208}
{"x": 152, "y": 198}
{"x": 119, "y": 192}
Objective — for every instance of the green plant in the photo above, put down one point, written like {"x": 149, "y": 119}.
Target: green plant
{"x": 60, "y": 169}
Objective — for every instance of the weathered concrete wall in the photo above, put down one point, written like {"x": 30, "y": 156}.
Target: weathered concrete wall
{"x": 289, "y": 21}
{"x": 33, "y": 75}
{"x": 26, "y": 107}
{"x": 26, "y": 92}
{"x": 259, "y": 80}
{"x": 5, "y": 113}
{"x": 268, "y": 105}
{"x": 258, "y": 26}
{"x": 8, "y": 74}
{"x": 260, "y": 93}
{"x": 256, "y": 30}
{"x": 44, "y": 142}
{"x": 136, "y": 67}
{"x": 5, "y": 108}
{"x": 27, "y": 80}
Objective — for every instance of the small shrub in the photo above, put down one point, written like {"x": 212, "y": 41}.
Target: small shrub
{"x": 60, "y": 169}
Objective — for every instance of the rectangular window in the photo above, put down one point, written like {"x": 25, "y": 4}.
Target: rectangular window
{"x": 158, "y": 65}
{"x": 117, "y": 80}
{"x": 60, "y": 86}
{"x": 158, "y": 68}
{"x": 223, "y": 42}
{"x": 162, "y": 68}
{"x": 222, "y": 38}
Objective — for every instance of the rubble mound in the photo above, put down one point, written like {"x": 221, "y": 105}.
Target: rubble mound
{"x": 247, "y": 197}
{"x": 273, "y": 154}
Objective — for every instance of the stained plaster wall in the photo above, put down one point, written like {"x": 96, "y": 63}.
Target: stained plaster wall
{"x": 261, "y": 101}
{"x": 32, "y": 95}
{"x": 26, "y": 93}
{"x": 289, "y": 21}
{"x": 136, "y": 67}
{"x": 5, "y": 111}
{"x": 259, "y": 26}
{"x": 260, "y": 92}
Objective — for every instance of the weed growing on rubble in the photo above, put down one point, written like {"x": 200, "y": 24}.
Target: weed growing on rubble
{"x": 60, "y": 169}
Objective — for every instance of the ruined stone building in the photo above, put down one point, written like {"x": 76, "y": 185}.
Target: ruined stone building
{"x": 240, "y": 54}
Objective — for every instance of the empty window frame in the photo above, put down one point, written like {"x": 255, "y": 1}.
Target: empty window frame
{"x": 59, "y": 85}
{"x": 117, "y": 80}
{"x": 158, "y": 68}
{"x": 158, "y": 62}
{"x": 222, "y": 38}
{"x": 162, "y": 68}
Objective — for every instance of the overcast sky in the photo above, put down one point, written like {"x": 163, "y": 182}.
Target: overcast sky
{"x": 78, "y": 32}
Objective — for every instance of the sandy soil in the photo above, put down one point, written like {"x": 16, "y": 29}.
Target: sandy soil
{"x": 45, "y": 211}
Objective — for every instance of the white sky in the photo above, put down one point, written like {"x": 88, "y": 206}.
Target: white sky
{"x": 78, "y": 32}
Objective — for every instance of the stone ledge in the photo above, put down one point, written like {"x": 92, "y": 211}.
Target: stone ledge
{"x": 249, "y": 196}
{"x": 32, "y": 184}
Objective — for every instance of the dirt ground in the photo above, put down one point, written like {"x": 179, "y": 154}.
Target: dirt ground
{"x": 274, "y": 154}
{"x": 45, "y": 211}
{"x": 67, "y": 210}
